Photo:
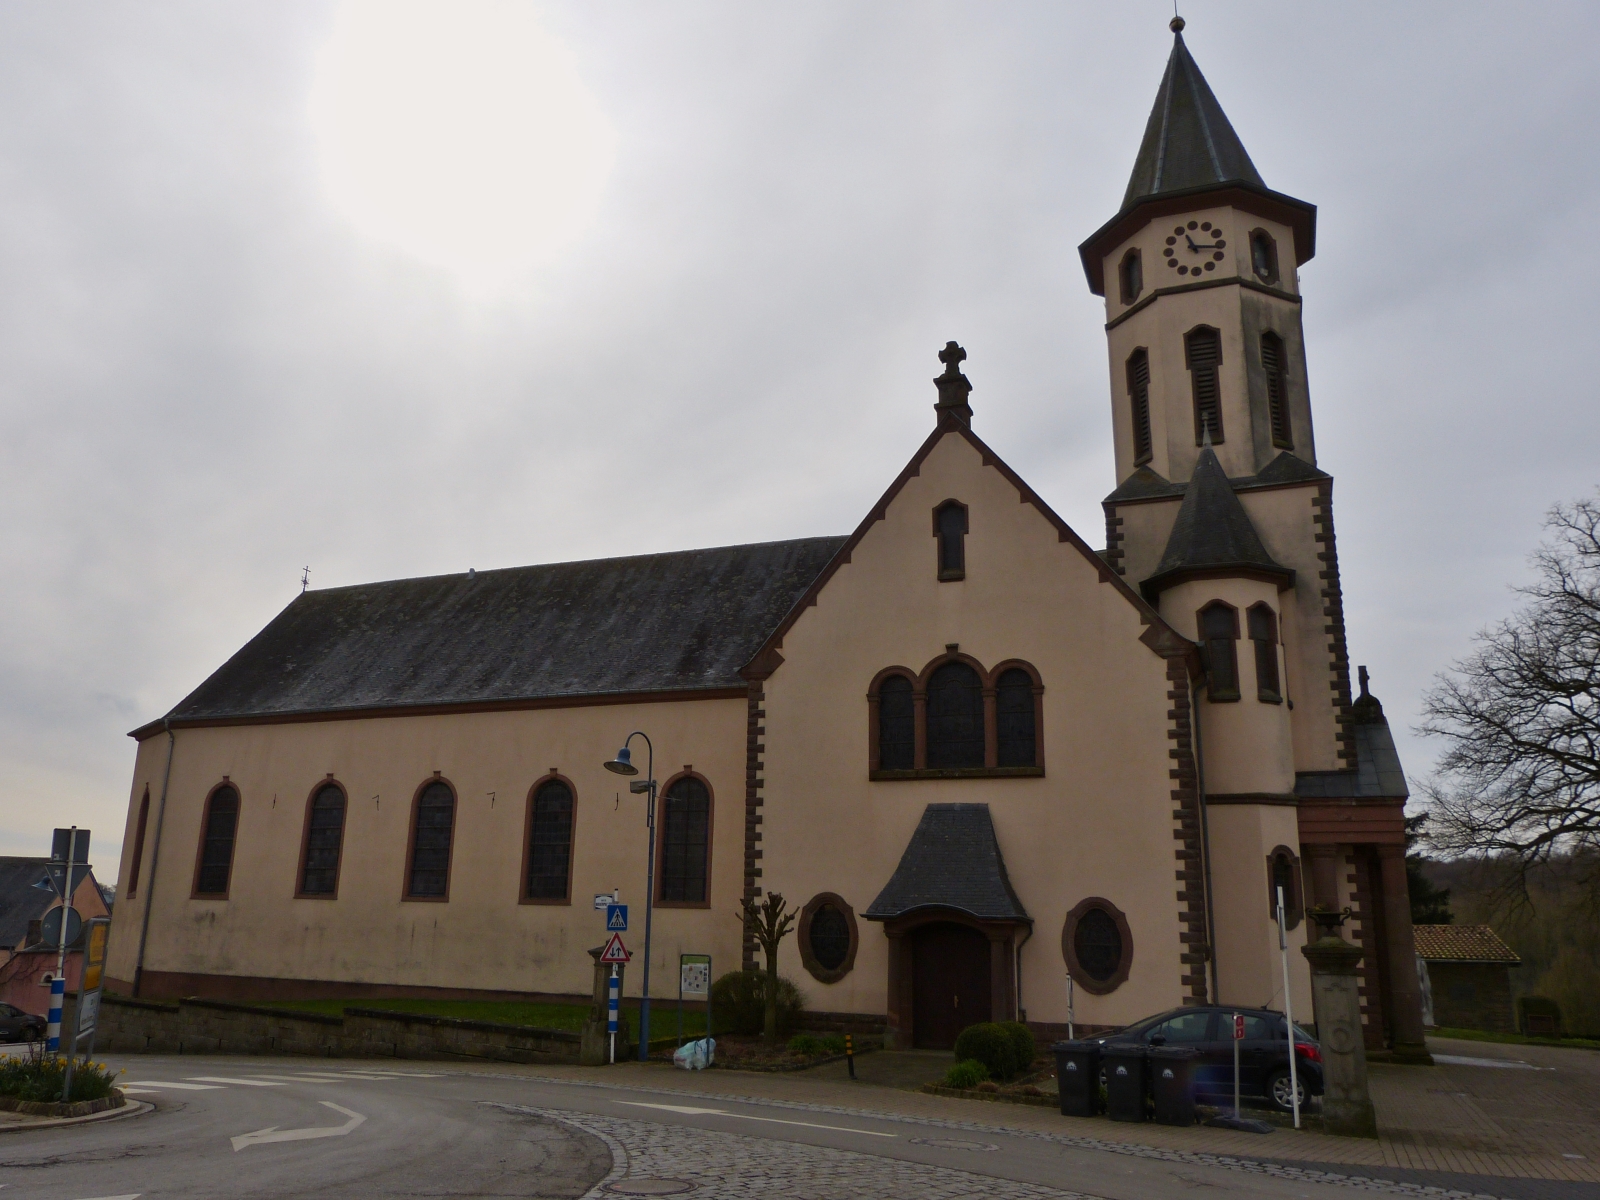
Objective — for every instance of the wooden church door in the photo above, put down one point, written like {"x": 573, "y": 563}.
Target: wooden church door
{"x": 950, "y": 983}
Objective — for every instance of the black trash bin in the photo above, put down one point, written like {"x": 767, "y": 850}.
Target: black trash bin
{"x": 1125, "y": 1065}
{"x": 1172, "y": 1083}
{"x": 1078, "y": 1076}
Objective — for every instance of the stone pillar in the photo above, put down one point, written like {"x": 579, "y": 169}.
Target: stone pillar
{"x": 897, "y": 1027}
{"x": 1405, "y": 989}
{"x": 1324, "y": 875}
{"x": 1336, "y": 1000}
{"x": 594, "y": 1050}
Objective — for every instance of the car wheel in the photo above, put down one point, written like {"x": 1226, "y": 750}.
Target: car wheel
{"x": 1280, "y": 1092}
{"x": 30, "y": 1034}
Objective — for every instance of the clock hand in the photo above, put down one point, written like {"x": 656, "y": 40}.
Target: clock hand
{"x": 1190, "y": 240}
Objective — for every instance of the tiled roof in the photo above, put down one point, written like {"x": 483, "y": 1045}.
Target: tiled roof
{"x": 683, "y": 621}
{"x": 952, "y": 861}
{"x": 1461, "y": 943}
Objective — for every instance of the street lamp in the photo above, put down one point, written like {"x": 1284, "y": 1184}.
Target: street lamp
{"x": 622, "y": 764}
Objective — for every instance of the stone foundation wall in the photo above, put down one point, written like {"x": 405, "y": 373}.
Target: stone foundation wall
{"x": 218, "y": 1027}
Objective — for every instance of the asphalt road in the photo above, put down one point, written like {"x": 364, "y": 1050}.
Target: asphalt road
{"x": 344, "y": 1128}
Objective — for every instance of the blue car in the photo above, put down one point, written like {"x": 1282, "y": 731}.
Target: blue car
{"x": 1263, "y": 1054}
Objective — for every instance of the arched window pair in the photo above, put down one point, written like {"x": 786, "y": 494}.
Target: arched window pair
{"x": 546, "y": 876}
{"x": 956, "y": 718}
{"x": 1219, "y": 636}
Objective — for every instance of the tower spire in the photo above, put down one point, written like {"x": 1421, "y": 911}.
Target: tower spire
{"x": 1188, "y": 140}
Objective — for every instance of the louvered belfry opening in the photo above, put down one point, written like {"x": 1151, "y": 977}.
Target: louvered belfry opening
{"x": 1139, "y": 402}
{"x": 1202, "y": 350}
{"x": 1272, "y": 362}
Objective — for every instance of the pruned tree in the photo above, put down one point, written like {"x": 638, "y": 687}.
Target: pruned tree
{"x": 1519, "y": 782}
{"x": 769, "y": 923}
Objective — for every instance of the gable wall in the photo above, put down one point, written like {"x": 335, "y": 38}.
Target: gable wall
{"x": 1100, "y": 823}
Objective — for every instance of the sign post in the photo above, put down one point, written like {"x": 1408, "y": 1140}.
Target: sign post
{"x": 694, "y": 980}
{"x": 614, "y": 953}
{"x": 1288, "y": 1010}
{"x": 87, "y": 1014}
{"x": 1238, "y": 1036}
{"x": 66, "y": 845}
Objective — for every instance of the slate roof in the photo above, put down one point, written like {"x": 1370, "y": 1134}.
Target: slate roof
{"x": 952, "y": 861}
{"x": 1188, "y": 140}
{"x": 1145, "y": 484}
{"x": 1461, "y": 943}
{"x": 1378, "y": 772}
{"x": 1212, "y": 531}
{"x": 683, "y": 621}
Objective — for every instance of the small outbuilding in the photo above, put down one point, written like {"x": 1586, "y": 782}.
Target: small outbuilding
{"x": 1466, "y": 973}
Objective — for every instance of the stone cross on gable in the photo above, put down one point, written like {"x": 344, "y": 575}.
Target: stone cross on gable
{"x": 953, "y": 386}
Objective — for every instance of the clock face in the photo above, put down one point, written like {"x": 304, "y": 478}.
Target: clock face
{"x": 1195, "y": 248}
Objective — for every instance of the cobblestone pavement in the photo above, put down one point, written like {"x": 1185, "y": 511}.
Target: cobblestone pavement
{"x": 730, "y": 1166}
{"x": 735, "y": 1165}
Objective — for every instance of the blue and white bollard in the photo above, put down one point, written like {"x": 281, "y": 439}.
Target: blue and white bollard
{"x": 58, "y": 997}
{"x": 613, "y": 999}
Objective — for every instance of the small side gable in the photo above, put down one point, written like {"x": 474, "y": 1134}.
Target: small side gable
{"x": 1161, "y": 638}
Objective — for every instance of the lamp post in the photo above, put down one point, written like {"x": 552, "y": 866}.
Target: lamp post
{"x": 622, "y": 764}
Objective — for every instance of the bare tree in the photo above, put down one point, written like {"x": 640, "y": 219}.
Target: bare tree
{"x": 1520, "y": 780}
{"x": 769, "y": 923}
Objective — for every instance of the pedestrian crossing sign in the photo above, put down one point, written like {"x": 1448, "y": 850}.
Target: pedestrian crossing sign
{"x": 617, "y": 918}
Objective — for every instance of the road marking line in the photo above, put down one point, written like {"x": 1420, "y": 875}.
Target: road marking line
{"x": 304, "y": 1078}
{"x": 273, "y": 1134}
{"x": 376, "y": 1074}
{"x": 164, "y": 1083}
{"x": 129, "y": 1196}
{"x": 690, "y": 1111}
{"x": 231, "y": 1079}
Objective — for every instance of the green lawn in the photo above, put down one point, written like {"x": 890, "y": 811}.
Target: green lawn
{"x": 1516, "y": 1039}
{"x": 663, "y": 1014}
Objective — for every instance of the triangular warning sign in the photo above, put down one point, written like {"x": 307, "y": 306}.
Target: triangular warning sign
{"x": 615, "y": 951}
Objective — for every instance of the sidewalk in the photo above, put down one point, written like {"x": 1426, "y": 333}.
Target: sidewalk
{"x": 1534, "y": 1122}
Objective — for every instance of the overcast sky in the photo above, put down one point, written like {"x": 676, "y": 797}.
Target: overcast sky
{"x": 282, "y": 286}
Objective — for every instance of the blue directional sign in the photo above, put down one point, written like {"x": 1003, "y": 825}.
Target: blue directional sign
{"x": 617, "y": 918}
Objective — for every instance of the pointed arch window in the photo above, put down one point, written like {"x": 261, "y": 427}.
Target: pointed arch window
{"x": 1202, "y": 351}
{"x": 950, "y": 527}
{"x": 432, "y": 831}
{"x": 1263, "y": 629}
{"x": 1139, "y": 404}
{"x": 897, "y": 725}
{"x": 548, "y": 876}
{"x": 324, "y": 841}
{"x": 685, "y": 841}
{"x": 1219, "y": 634}
{"x": 1274, "y": 367}
{"x": 1264, "y": 256}
{"x": 955, "y": 717}
{"x": 138, "y": 845}
{"x": 216, "y": 843}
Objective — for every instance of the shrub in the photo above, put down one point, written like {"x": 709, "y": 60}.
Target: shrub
{"x": 988, "y": 1085}
{"x": 1538, "y": 1014}
{"x": 38, "y": 1076}
{"x": 968, "y": 1074}
{"x": 1022, "y": 1044}
{"x": 739, "y": 1002}
{"x": 991, "y": 1045}
{"x": 805, "y": 1044}
{"x": 833, "y": 1043}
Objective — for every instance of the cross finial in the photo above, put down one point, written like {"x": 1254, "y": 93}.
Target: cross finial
{"x": 954, "y": 387}
{"x": 1361, "y": 674}
{"x": 305, "y": 578}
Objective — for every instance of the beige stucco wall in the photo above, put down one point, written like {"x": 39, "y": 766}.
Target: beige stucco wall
{"x": 1160, "y": 326}
{"x": 1246, "y": 745}
{"x": 1249, "y": 964}
{"x": 1099, "y": 823}
{"x": 481, "y": 938}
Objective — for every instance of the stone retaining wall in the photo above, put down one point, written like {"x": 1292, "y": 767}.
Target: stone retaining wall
{"x": 218, "y": 1027}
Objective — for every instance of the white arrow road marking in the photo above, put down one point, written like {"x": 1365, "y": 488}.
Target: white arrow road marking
{"x": 688, "y": 1111}
{"x": 273, "y": 1134}
{"x": 185, "y": 1087}
{"x": 231, "y": 1079}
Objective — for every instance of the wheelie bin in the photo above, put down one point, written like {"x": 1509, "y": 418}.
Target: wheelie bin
{"x": 1172, "y": 1083}
{"x": 1078, "y": 1076}
{"x": 1126, "y": 1088}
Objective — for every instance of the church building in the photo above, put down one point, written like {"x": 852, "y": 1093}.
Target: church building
{"x": 1002, "y": 773}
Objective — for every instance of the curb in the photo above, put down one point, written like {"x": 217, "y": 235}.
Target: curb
{"x": 133, "y": 1108}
